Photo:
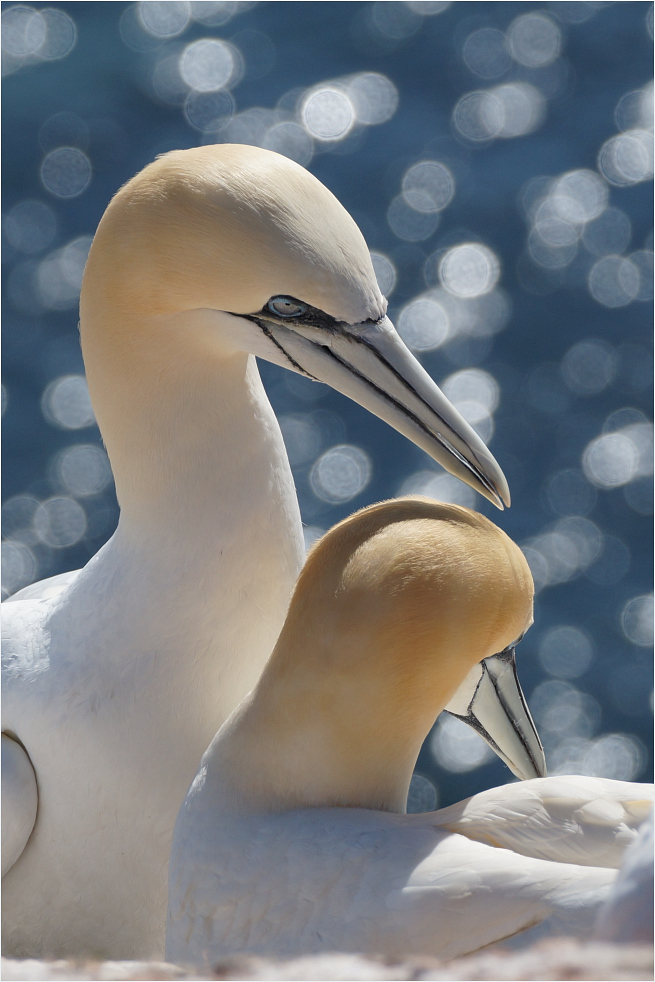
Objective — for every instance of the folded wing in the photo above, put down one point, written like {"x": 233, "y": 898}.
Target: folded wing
{"x": 19, "y": 801}
{"x": 589, "y": 821}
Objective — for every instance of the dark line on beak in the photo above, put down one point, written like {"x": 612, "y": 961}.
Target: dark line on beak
{"x": 512, "y": 662}
{"x": 484, "y": 481}
{"x": 407, "y": 412}
{"x": 447, "y": 444}
{"x": 286, "y": 354}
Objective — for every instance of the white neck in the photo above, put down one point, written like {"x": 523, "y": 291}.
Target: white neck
{"x": 209, "y": 517}
{"x": 310, "y": 740}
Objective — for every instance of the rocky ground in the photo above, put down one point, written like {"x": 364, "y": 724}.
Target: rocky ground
{"x": 564, "y": 959}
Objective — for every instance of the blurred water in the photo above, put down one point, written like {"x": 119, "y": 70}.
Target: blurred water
{"x": 498, "y": 159}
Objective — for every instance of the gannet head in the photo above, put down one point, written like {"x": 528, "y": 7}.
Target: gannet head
{"x": 278, "y": 268}
{"x": 402, "y": 610}
{"x": 447, "y": 580}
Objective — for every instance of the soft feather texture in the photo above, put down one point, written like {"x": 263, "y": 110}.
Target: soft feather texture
{"x": 569, "y": 819}
{"x": 628, "y": 914}
{"x": 392, "y": 609}
{"x": 115, "y": 683}
{"x": 357, "y": 880}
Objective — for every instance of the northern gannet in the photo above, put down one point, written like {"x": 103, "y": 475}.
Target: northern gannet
{"x": 293, "y": 838}
{"x": 115, "y": 678}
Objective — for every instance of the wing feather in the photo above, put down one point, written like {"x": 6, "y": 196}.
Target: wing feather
{"x": 588, "y": 821}
{"x": 19, "y": 801}
{"x": 44, "y": 589}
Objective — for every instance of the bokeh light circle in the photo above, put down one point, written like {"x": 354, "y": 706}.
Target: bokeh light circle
{"x": 60, "y": 522}
{"x": 66, "y": 172}
{"x": 610, "y": 460}
{"x": 534, "y": 39}
{"x": 608, "y": 234}
{"x": 522, "y": 108}
{"x": 469, "y": 270}
{"x": 59, "y": 276}
{"x": 423, "y": 324}
{"x": 579, "y": 196}
{"x": 408, "y": 223}
{"x": 385, "y": 273}
{"x": 302, "y": 437}
{"x": 428, "y": 8}
{"x": 428, "y": 186}
{"x": 566, "y": 652}
{"x": 22, "y": 31}
{"x": 30, "y": 226}
{"x": 478, "y": 116}
{"x": 291, "y": 140}
{"x": 456, "y": 747}
{"x": 207, "y": 65}
{"x": 627, "y": 158}
{"x": 642, "y": 260}
{"x": 215, "y": 13}
{"x": 340, "y": 474}
{"x": 637, "y": 620}
{"x": 60, "y": 34}
{"x": 422, "y": 795}
{"x": 19, "y": 566}
{"x": 374, "y": 98}
{"x": 617, "y": 756}
{"x": 473, "y": 385}
{"x": 208, "y": 111}
{"x": 589, "y": 367}
{"x": 66, "y": 403}
{"x": 568, "y": 492}
{"x": 164, "y": 18}
{"x": 83, "y": 469}
{"x": 613, "y": 281}
{"x": 328, "y": 113}
{"x": 486, "y": 53}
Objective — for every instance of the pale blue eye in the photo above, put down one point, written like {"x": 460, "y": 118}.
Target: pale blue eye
{"x": 284, "y": 307}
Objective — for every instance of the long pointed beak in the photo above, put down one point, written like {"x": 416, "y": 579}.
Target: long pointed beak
{"x": 490, "y": 700}
{"x": 371, "y": 364}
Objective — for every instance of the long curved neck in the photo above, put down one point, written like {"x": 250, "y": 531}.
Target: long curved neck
{"x": 194, "y": 445}
{"x": 184, "y": 418}
{"x": 332, "y": 738}
{"x": 209, "y": 516}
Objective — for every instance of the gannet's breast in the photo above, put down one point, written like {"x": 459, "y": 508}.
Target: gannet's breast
{"x": 358, "y": 880}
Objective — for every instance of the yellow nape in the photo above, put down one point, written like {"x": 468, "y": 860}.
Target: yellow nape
{"x": 392, "y": 609}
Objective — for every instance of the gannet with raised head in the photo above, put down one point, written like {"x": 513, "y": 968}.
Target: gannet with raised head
{"x": 293, "y": 838}
{"x": 116, "y": 677}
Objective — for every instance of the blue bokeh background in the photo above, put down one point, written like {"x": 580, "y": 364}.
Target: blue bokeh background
{"x": 100, "y": 98}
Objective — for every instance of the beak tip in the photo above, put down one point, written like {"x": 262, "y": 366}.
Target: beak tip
{"x": 500, "y": 499}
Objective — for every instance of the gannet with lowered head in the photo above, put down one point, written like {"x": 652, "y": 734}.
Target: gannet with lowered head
{"x": 293, "y": 838}
{"x": 116, "y": 677}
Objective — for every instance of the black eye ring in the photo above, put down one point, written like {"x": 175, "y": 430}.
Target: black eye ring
{"x": 286, "y": 307}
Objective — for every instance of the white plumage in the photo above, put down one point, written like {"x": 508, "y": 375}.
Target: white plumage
{"x": 116, "y": 677}
{"x": 627, "y": 916}
{"x": 358, "y": 880}
{"x": 292, "y": 838}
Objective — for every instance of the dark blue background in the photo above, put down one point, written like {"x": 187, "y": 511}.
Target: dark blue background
{"x": 106, "y": 84}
